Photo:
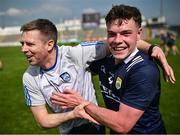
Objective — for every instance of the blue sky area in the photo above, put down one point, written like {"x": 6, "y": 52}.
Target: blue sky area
{"x": 18, "y": 12}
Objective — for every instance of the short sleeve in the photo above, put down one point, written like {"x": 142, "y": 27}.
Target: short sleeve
{"x": 33, "y": 95}
{"x": 85, "y": 53}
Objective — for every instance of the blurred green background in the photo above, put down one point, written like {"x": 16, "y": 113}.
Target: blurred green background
{"x": 16, "y": 118}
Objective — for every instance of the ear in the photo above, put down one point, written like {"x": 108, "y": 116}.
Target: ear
{"x": 50, "y": 44}
{"x": 139, "y": 34}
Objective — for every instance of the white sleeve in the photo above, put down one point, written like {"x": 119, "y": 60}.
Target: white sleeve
{"x": 32, "y": 92}
{"x": 86, "y": 52}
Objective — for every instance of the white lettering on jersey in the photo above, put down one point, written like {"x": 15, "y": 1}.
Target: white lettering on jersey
{"x": 108, "y": 92}
{"x": 110, "y": 79}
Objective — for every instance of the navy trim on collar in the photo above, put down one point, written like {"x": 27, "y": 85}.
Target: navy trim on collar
{"x": 41, "y": 69}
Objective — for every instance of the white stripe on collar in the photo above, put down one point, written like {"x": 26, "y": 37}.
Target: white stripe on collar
{"x": 131, "y": 56}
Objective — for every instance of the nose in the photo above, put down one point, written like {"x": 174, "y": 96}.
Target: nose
{"x": 118, "y": 38}
{"x": 24, "y": 48}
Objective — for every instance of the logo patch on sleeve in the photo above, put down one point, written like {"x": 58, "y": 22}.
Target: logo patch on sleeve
{"x": 118, "y": 83}
{"x": 65, "y": 77}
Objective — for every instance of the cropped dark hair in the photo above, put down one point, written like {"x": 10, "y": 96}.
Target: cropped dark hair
{"x": 46, "y": 27}
{"x": 123, "y": 12}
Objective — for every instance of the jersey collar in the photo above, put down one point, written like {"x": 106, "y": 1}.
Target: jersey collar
{"x": 55, "y": 61}
{"x": 131, "y": 56}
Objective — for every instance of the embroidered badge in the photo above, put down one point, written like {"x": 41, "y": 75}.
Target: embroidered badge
{"x": 65, "y": 76}
{"x": 118, "y": 83}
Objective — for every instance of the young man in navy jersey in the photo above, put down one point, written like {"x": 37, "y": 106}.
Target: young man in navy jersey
{"x": 129, "y": 80}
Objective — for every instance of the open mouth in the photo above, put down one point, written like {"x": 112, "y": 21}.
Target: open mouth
{"x": 119, "y": 48}
{"x": 29, "y": 57}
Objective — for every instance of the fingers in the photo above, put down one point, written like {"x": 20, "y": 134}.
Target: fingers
{"x": 171, "y": 77}
{"x": 69, "y": 91}
{"x": 88, "y": 117}
{"x": 168, "y": 73}
{"x": 66, "y": 100}
{"x": 80, "y": 112}
{"x": 56, "y": 96}
{"x": 58, "y": 100}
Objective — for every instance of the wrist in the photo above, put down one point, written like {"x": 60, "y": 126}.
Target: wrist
{"x": 150, "y": 50}
{"x": 86, "y": 103}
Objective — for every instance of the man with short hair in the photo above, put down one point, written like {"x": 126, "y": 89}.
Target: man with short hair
{"x": 52, "y": 68}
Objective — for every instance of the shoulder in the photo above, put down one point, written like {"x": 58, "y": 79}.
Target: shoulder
{"x": 31, "y": 73}
{"x": 142, "y": 65}
{"x": 63, "y": 49}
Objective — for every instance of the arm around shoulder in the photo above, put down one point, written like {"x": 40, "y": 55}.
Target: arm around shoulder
{"x": 157, "y": 53}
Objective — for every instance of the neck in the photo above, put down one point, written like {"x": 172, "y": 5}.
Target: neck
{"x": 117, "y": 61}
{"x": 50, "y": 59}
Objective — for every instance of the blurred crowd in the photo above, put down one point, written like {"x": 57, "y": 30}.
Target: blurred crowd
{"x": 168, "y": 42}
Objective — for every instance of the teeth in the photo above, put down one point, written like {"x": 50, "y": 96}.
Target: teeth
{"x": 119, "y": 48}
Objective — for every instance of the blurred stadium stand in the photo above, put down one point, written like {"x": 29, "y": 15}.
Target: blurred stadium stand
{"x": 73, "y": 30}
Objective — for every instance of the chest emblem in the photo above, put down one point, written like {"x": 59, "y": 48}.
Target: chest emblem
{"x": 65, "y": 76}
{"x": 118, "y": 83}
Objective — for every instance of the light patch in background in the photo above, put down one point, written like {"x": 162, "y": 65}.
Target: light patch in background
{"x": 14, "y": 12}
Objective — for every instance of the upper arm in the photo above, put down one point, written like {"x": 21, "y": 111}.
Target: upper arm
{"x": 32, "y": 91}
{"x": 143, "y": 46}
{"x": 41, "y": 116}
{"x": 86, "y": 53}
{"x": 39, "y": 112}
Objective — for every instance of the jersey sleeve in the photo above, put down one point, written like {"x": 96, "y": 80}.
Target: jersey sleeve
{"x": 87, "y": 52}
{"x": 33, "y": 95}
{"x": 142, "y": 87}
{"x": 96, "y": 66}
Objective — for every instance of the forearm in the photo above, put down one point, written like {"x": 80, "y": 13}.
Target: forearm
{"x": 143, "y": 45}
{"x": 107, "y": 117}
{"x": 47, "y": 120}
{"x": 54, "y": 120}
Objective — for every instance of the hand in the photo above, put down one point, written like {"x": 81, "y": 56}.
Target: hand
{"x": 168, "y": 73}
{"x": 80, "y": 112}
{"x": 68, "y": 99}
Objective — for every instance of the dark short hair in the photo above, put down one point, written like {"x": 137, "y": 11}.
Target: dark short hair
{"x": 46, "y": 27}
{"x": 123, "y": 12}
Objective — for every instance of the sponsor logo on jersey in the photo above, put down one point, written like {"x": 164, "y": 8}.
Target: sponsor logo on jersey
{"x": 65, "y": 76}
{"x": 110, "y": 79}
{"x": 118, "y": 83}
